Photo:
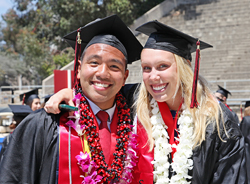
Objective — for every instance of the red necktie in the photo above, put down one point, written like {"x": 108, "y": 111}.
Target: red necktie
{"x": 104, "y": 134}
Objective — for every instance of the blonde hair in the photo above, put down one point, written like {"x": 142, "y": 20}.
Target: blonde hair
{"x": 206, "y": 113}
{"x": 247, "y": 111}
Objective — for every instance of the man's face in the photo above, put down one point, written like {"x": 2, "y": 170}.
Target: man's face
{"x": 220, "y": 97}
{"x": 102, "y": 73}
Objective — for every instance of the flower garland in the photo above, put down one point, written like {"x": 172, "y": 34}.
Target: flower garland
{"x": 88, "y": 167}
{"x": 124, "y": 156}
{"x": 182, "y": 161}
{"x": 130, "y": 160}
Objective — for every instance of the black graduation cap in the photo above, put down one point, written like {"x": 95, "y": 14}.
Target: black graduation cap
{"x": 223, "y": 91}
{"x": 111, "y": 25}
{"x": 247, "y": 104}
{"x": 166, "y": 38}
{"x": 20, "y": 110}
{"x": 29, "y": 96}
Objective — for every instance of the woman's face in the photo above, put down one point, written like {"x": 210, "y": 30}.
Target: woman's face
{"x": 36, "y": 104}
{"x": 159, "y": 74}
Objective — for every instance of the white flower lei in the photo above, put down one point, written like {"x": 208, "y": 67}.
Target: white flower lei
{"x": 162, "y": 150}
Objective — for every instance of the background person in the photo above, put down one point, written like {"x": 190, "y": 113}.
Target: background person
{"x": 247, "y": 109}
{"x": 222, "y": 94}
{"x": 19, "y": 113}
{"x": 245, "y": 129}
{"x": 31, "y": 99}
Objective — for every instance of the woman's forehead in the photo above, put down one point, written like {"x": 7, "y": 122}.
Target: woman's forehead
{"x": 155, "y": 55}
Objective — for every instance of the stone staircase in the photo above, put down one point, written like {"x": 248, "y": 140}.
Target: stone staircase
{"x": 225, "y": 24}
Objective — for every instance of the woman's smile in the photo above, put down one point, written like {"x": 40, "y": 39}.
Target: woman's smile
{"x": 159, "y": 88}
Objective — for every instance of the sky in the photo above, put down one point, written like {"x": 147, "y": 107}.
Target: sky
{"x": 4, "y": 6}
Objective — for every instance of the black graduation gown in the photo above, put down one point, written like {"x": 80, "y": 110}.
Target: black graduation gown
{"x": 129, "y": 91}
{"x": 236, "y": 117}
{"x": 4, "y": 146}
{"x": 227, "y": 159}
{"x": 31, "y": 156}
{"x": 245, "y": 129}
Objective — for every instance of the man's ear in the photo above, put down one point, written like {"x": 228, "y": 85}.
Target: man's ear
{"x": 78, "y": 69}
{"x": 125, "y": 76}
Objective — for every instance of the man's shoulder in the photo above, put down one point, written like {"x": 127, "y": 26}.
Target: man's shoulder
{"x": 38, "y": 123}
{"x": 129, "y": 92}
{"x": 128, "y": 89}
{"x": 39, "y": 118}
{"x": 41, "y": 114}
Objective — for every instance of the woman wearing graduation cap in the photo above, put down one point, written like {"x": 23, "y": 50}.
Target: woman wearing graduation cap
{"x": 184, "y": 134}
{"x": 31, "y": 99}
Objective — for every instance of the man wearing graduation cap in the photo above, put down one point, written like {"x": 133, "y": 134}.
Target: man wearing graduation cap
{"x": 245, "y": 129}
{"x": 19, "y": 113}
{"x": 56, "y": 148}
{"x": 222, "y": 94}
{"x": 31, "y": 99}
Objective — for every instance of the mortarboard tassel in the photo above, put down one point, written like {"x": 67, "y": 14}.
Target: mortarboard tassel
{"x": 23, "y": 99}
{"x": 194, "y": 102}
{"x": 77, "y": 55}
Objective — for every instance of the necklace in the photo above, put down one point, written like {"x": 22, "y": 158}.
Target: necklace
{"x": 182, "y": 161}
{"x": 124, "y": 155}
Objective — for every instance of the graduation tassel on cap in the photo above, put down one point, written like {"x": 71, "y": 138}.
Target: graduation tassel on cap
{"x": 23, "y": 99}
{"x": 194, "y": 102}
{"x": 77, "y": 54}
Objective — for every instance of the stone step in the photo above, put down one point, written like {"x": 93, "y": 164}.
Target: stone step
{"x": 216, "y": 69}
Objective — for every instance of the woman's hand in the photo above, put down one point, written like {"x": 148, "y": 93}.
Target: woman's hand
{"x": 52, "y": 104}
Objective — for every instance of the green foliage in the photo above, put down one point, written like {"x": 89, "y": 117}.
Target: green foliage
{"x": 10, "y": 67}
{"x": 59, "y": 60}
{"x": 34, "y": 27}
